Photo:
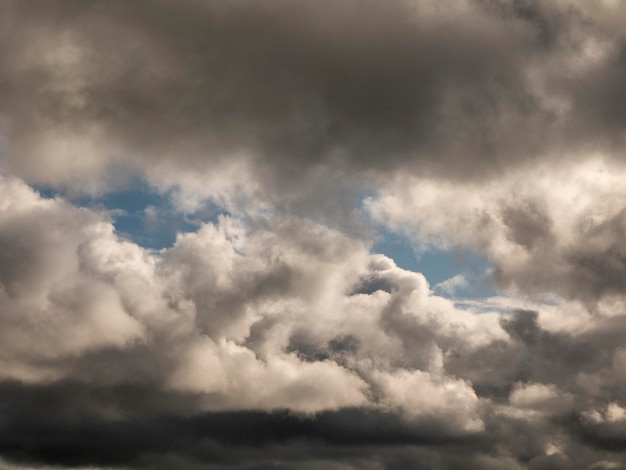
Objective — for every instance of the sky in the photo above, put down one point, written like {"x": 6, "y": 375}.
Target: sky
{"x": 316, "y": 234}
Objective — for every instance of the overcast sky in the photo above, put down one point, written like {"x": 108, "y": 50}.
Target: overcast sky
{"x": 315, "y": 234}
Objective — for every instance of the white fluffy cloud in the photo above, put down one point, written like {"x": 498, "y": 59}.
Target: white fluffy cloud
{"x": 298, "y": 317}
{"x": 52, "y": 306}
{"x": 549, "y": 228}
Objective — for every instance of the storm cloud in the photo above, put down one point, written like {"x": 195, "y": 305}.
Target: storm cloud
{"x": 454, "y": 89}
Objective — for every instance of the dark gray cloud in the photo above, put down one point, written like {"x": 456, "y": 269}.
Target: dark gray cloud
{"x": 561, "y": 360}
{"x": 458, "y": 90}
{"x": 63, "y": 424}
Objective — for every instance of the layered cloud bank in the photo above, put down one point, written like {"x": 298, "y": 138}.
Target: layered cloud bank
{"x": 274, "y": 336}
{"x": 290, "y": 324}
{"x": 296, "y": 92}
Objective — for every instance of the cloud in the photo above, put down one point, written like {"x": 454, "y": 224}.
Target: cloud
{"x": 276, "y": 98}
{"x": 178, "y": 324}
{"x": 218, "y": 311}
{"x": 48, "y": 296}
{"x": 273, "y": 336}
{"x": 288, "y": 323}
{"x": 539, "y": 397}
{"x": 450, "y": 286}
{"x": 541, "y": 232}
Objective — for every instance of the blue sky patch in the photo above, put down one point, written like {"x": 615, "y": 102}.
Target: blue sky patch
{"x": 147, "y": 217}
{"x": 142, "y": 214}
{"x": 441, "y": 265}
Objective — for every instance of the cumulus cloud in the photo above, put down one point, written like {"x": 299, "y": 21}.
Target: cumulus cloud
{"x": 287, "y": 322}
{"x": 549, "y": 229}
{"x": 233, "y": 318}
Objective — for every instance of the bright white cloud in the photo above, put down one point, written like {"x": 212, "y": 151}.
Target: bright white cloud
{"x": 304, "y": 313}
{"x": 549, "y": 228}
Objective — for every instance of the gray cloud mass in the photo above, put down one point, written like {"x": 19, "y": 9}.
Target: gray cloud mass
{"x": 274, "y": 336}
{"x": 456, "y": 88}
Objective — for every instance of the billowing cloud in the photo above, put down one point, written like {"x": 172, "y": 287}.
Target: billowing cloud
{"x": 303, "y": 90}
{"x": 287, "y": 322}
{"x": 552, "y": 228}
{"x": 270, "y": 334}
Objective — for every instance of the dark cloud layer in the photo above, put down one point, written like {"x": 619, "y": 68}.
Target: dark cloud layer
{"x": 56, "y": 425}
{"x": 459, "y": 89}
